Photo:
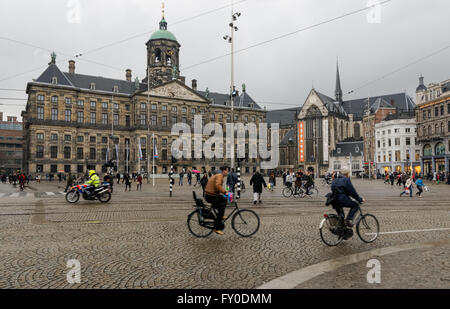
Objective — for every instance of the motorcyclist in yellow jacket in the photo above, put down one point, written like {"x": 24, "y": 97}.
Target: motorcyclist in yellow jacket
{"x": 93, "y": 182}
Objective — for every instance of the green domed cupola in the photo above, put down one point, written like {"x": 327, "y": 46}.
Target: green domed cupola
{"x": 162, "y": 55}
{"x": 162, "y": 33}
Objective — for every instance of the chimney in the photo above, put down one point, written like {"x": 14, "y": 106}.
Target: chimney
{"x": 71, "y": 66}
{"x": 128, "y": 75}
{"x": 194, "y": 84}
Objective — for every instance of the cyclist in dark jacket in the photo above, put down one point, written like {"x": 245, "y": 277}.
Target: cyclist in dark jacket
{"x": 343, "y": 189}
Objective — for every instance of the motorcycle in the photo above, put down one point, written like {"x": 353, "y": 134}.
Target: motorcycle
{"x": 102, "y": 193}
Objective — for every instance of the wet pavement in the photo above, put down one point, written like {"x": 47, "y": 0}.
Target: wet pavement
{"x": 141, "y": 240}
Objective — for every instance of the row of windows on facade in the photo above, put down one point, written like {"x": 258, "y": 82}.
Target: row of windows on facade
{"x": 81, "y": 169}
{"x": 93, "y": 139}
{"x": 438, "y": 129}
{"x": 431, "y": 95}
{"x": 438, "y": 112}
{"x": 92, "y": 155}
{"x": 6, "y": 145}
{"x": 397, "y": 142}
{"x": 337, "y": 165}
{"x": 11, "y": 138}
{"x": 142, "y": 120}
{"x": 439, "y": 149}
{"x": 396, "y": 131}
{"x": 143, "y": 106}
{"x": 357, "y": 150}
{"x": 398, "y": 156}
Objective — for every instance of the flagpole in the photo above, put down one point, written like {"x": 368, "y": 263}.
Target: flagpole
{"x": 153, "y": 162}
{"x": 139, "y": 155}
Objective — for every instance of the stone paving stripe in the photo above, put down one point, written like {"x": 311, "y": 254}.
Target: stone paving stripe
{"x": 14, "y": 195}
{"x": 50, "y": 193}
{"x": 411, "y": 231}
{"x": 29, "y": 194}
{"x": 63, "y": 193}
{"x": 2, "y": 194}
{"x": 295, "y": 278}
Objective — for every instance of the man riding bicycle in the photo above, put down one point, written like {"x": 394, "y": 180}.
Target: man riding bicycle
{"x": 343, "y": 189}
{"x": 93, "y": 182}
{"x": 214, "y": 194}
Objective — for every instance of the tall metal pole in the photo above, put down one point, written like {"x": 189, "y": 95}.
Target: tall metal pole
{"x": 148, "y": 126}
{"x": 232, "y": 80}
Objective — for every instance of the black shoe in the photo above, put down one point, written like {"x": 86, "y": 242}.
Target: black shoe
{"x": 260, "y": 201}
{"x": 254, "y": 202}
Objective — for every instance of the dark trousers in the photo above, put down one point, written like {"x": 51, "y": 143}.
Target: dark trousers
{"x": 353, "y": 209}
{"x": 218, "y": 202}
{"x": 420, "y": 190}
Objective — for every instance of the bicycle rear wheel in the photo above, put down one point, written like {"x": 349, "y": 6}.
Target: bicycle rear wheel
{"x": 287, "y": 192}
{"x": 368, "y": 228}
{"x": 194, "y": 226}
{"x": 245, "y": 223}
{"x": 330, "y": 232}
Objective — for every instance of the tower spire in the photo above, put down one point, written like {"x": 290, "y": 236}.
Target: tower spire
{"x": 163, "y": 23}
{"x": 338, "y": 91}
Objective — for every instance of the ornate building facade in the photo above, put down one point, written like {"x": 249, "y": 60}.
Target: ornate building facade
{"x": 323, "y": 122}
{"x": 73, "y": 121}
{"x": 433, "y": 126}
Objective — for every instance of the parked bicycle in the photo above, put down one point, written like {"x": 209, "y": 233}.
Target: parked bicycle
{"x": 245, "y": 222}
{"x": 300, "y": 192}
{"x": 333, "y": 230}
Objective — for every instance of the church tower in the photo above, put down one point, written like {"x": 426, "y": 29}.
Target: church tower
{"x": 163, "y": 61}
{"x": 338, "y": 91}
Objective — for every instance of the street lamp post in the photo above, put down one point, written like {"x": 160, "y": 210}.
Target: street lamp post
{"x": 230, "y": 39}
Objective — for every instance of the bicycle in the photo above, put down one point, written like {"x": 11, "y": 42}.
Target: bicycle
{"x": 200, "y": 222}
{"x": 289, "y": 190}
{"x": 333, "y": 230}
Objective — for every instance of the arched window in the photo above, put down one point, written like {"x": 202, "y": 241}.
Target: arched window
{"x": 430, "y": 132}
{"x": 357, "y": 131}
{"x": 346, "y": 131}
{"x": 157, "y": 55}
{"x": 440, "y": 149}
{"x": 427, "y": 150}
{"x": 342, "y": 130}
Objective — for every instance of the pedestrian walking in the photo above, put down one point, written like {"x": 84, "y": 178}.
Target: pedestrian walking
{"x": 69, "y": 182}
{"x": 232, "y": 180}
{"x": 189, "y": 177}
{"x": 419, "y": 184}
{"x": 118, "y": 178}
{"x": 139, "y": 183}
{"x": 181, "y": 178}
{"x": 408, "y": 188}
{"x": 204, "y": 182}
{"x": 127, "y": 180}
{"x": 257, "y": 181}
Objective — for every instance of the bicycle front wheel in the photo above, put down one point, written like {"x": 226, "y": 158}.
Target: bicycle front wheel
{"x": 287, "y": 192}
{"x": 330, "y": 231}
{"x": 368, "y": 228}
{"x": 245, "y": 223}
{"x": 196, "y": 228}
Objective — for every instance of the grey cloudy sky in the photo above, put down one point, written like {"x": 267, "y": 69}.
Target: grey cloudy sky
{"x": 281, "y": 72}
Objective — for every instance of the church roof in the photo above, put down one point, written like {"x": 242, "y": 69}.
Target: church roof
{"x": 288, "y": 138}
{"x": 283, "y": 116}
{"x": 244, "y": 100}
{"x": 82, "y": 81}
{"x": 163, "y": 35}
{"x": 348, "y": 147}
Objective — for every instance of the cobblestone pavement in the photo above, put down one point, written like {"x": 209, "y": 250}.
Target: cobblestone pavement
{"x": 141, "y": 240}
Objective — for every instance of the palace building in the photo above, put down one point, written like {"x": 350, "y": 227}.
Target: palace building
{"x": 75, "y": 122}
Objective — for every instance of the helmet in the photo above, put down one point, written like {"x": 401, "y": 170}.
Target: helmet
{"x": 91, "y": 172}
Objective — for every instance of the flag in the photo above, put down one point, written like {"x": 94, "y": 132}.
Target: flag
{"x": 155, "y": 149}
{"x": 140, "y": 151}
